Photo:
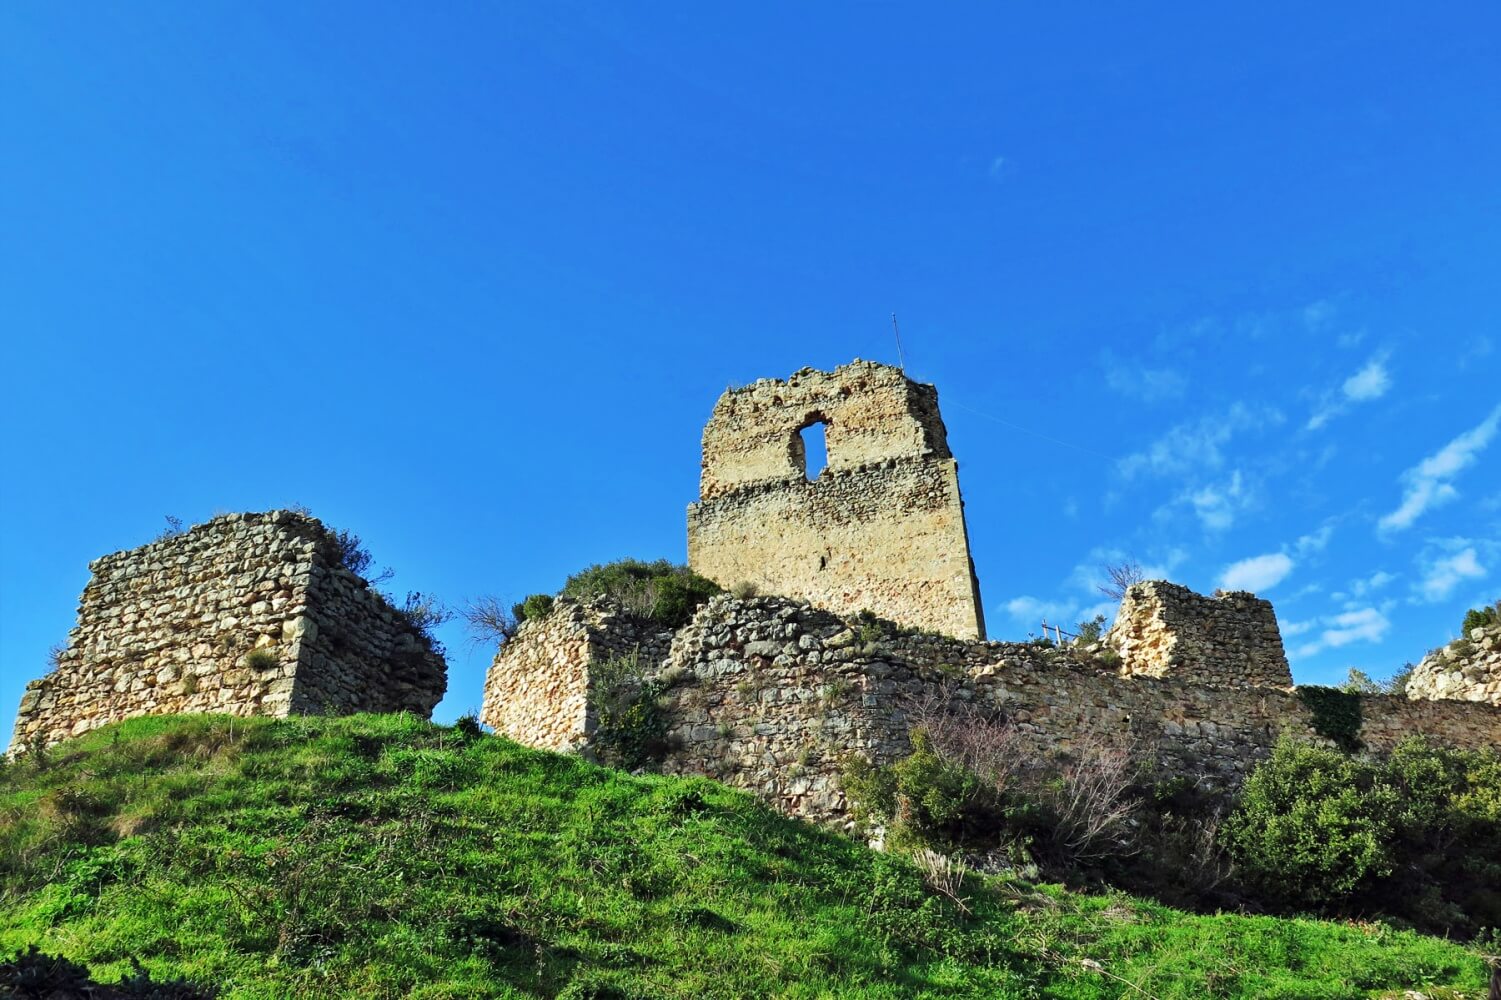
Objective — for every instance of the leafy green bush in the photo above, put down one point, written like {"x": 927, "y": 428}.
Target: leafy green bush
{"x": 659, "y": 591}
{"x": 1416, "y": 835}
{"x": 1480, "y": 618}
{"x": 534, "y": 607}
{"x": 1314, "y": 825}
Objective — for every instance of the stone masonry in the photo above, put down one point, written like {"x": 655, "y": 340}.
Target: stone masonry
{"x": 537, "y": 690}
{"x": 1164, "y": 630}
{"x": 1468, "y": 669}
{"x": 880, "y": 529}
{"x": 249, "y": 614}
{"x": 774, "y": 695}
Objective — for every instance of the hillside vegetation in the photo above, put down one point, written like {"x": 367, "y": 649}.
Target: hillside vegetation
{"x": 382, "y": 856}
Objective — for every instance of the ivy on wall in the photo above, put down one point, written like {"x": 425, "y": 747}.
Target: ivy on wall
{"x": 1336, "y": 714}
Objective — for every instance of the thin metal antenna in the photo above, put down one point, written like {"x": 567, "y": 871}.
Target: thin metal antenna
{"x": 900, "y": 362}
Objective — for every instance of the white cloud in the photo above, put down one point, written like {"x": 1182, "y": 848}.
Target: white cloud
{"x": 1371, "y": 583}
{"x": 1318, "y": 315}
{"x": 1370, "y": 382}
{"x": 1140, "y": 382}
{"x": 1217, "y": 506}
{"x": 1354, "y": 625}
{"x": 1257, "y": 573}
{"x": 1000, "y": 167}
{"x": 1298, "y": 628}
{"x": 1445, "y": 573}
{"x": 1427, "y": 482}
{"x": 1031, "y": 610}
{"x": 1363, "y": 625}
{"x": 1196, "y": 445}
{"x": 1314, "y": 541}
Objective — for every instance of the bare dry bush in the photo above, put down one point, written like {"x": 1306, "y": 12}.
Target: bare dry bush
{"x": 943, "y": 875}
{"x": 1120, "y": 577}
{"x": 1091, "y": 799}
{"x": 489, "y": 619}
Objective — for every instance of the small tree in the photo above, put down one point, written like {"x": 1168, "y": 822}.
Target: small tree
{"x": 1120, "y": 577}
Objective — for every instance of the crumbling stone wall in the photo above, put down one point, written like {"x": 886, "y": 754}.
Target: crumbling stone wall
{"x": 248, "y": 614}
{"x": 537, "y": 690}
{"x": 1164, "y": 630}
{"x": 1468, "y": 669}
{"x": 772, "y": 695}
{"x": 881, "y": 528}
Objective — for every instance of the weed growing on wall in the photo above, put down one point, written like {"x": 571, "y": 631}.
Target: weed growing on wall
{"x": 630, "y": 730}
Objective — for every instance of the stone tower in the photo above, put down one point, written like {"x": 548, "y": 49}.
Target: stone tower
{"x": 881, "y": 528}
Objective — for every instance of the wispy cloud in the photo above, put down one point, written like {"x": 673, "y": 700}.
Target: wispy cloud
{"x": 1257, "y": 573}
{"x": 1445, "y": 564}
{"x": 1000, "y": 168}
{"x": 1198, "y": 444}
{"x": 1315, "y": 541}
{"x": 1137, "y": 381}
{"x": 1217, "y": 505}
{"x": 1370, "y": 382}
{"x": 1355, "y": 625}
{"x": 1428, "y": 483}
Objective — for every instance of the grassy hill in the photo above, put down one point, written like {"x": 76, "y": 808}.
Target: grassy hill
{"x": 381, "y": 856}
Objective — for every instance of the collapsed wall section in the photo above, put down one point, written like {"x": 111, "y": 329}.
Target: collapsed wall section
{"x": 247, "y": 614}
{"x": 881, "y": 528}
{"x": 1165, "y": 630}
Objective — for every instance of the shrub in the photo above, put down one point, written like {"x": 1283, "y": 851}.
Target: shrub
{"x": 1416, "y": 836}
{"x": 1313, "y": 825}
{"x": 1089, "y": 632}
{"x": 350, "y": 553}
{"x": 744, "y": 590}
{"x": 424, "y": 613}
{"x": 659, "y": 591}
{"x": 1480, "y": 618}
{"x": 535, "y": 606}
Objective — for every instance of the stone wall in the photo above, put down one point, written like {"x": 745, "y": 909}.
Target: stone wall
{"x": 1467, "y": 669}
{"x": 773, "y": 695}
{"x": 248, "y": 614}
{"x": 537, "y": 690}
{"x": 881, "y": 528}
{"x": 1164, "y": 630}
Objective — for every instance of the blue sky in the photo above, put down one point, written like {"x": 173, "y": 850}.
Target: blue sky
{"x": 1214, "y": 289}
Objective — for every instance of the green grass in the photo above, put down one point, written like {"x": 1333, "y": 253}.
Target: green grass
{"x": 381, "y": 856}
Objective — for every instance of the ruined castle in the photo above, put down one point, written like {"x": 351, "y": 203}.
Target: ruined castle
{"x": 876, "y": 609}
